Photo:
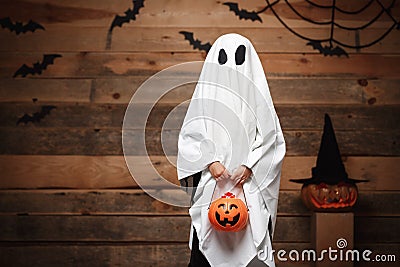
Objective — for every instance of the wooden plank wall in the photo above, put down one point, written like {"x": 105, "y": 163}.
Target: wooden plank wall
{"x": 67, "y": 198}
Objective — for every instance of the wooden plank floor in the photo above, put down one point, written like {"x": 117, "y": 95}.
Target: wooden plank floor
{"x": 80, "y": 224}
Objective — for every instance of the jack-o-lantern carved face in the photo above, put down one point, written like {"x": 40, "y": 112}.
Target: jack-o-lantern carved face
{"x": 228, "y": 213}
{"x": 324, "y": 197}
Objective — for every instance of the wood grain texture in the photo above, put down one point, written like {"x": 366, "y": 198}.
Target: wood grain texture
{"x": 66, "y": 172}
{"x": 379, "y": 92}
{"x": 134, "y": 38}
{"x": 137, "y": 202}
{"x": 157, "y": 255}
{"x": 102, "y": 228}
{"x": 125, "y": 254}
{"x": 107, "y": 141}
{"x": 170, "y": 116}
{"x": 97, "y": 172}
{"x": 89, "y": 210}
{"x": 45, "y": 90}
{"x": 207, "y": 13}
{"x": 284, "y": 90}
{"x": 376, "y": 230}
{"x": 93, "y": 64}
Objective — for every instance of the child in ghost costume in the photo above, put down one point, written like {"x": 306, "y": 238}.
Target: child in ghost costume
{"x": 231, "y": 140}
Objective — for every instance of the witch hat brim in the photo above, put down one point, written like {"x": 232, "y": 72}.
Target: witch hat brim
{"x": 329, "y": 168}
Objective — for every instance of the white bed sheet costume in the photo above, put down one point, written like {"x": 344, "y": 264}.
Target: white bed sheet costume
{"x": 231, "y": 119}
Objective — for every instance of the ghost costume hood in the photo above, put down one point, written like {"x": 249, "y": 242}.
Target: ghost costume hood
{"x": 231, "y": 119}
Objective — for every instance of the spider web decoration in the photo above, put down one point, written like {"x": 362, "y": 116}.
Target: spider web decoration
{"x": 331, "y": 45}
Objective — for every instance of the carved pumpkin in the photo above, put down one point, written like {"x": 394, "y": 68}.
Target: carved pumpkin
{"x": 228, "y": 213}
{"x": 329, "y": 189}
{"x": 325, "y": 197}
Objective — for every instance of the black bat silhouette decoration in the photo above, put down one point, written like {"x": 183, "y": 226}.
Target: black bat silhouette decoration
{"x": 328, "y": 50}
{"x": 130, "y": 14}
{"x": 243, "y": 13}
{"x": 37, "y": 116}
{"x": 196, "y": 43}
{"x": 18, "y": 27}
{"x": 37, "y": 67}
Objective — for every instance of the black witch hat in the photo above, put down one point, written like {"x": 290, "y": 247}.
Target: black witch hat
{"x": 329, "y": 168}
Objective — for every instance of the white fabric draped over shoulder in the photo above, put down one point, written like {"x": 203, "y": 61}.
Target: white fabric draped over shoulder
{"x": 231, "y": 118}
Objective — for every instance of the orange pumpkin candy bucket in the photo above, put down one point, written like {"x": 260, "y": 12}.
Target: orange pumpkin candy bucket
{"x": 228, "y": 213}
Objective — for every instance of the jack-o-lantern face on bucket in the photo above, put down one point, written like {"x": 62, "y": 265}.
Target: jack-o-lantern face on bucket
{"x": 228, "y": 213}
